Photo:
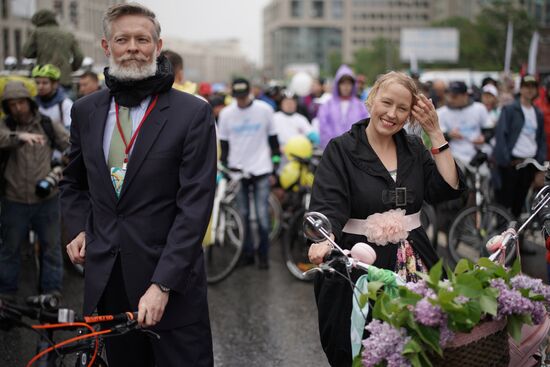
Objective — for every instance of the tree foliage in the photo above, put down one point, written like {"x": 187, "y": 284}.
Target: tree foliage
{"x": 381, "y": 57}
{"x": 482, "y": 42}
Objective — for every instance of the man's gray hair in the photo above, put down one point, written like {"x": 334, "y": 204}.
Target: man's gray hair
{"x": 119, "y": 10}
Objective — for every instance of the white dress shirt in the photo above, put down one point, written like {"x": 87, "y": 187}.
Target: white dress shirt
{"x": 136, "y": 114}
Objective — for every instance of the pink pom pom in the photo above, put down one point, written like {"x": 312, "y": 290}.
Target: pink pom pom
{"x": 495, "y": 243}
{"x": 364, "y": 253}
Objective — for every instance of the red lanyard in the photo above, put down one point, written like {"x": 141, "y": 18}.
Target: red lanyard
{"x": 134, "y": 136}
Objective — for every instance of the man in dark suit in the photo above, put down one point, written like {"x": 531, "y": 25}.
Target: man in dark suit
{"x": 137, "y": 196}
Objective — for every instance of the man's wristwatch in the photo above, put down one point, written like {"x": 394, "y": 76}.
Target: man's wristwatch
{"x": 163, "y": 289}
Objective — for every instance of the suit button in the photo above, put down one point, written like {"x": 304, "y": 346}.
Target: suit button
{"x": 113, "y": 251}
{"x": 120, "y": 216}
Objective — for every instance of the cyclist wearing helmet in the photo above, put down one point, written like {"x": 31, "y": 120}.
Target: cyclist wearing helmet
{"x": 289, "y": 123}
{"x": 51, "y": 99}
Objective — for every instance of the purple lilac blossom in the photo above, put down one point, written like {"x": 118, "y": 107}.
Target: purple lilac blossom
{"x": 538, "y": 313}
{"x": 511, "y": 302}
{"x": 428, "y": 314}
{"x": 445, "y": 334}
{"x": 384, "y": 343}
{"x": 421, "y": 288}
{"x": 525, "y": 282}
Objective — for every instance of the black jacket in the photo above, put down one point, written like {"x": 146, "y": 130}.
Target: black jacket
{"x": 352, "y": 182}
{"x": 157, "y": 224}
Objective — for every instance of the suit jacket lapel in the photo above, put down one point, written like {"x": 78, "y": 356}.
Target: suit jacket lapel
{"x": 146, "y": 137}
{"x": 98, "y": 120}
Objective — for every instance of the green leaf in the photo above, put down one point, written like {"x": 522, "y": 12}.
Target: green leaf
{"x": 486, "y": 263}
{"x": 357, "y": 361}
{"x": 468, "y": 285}
{"x": 435, "y": 272}
{"x": 514, "y": 327}
{"x": 408, "y": 297}
{"x": 428, "y": 335}
{"x": 516, "y": 268}
{"x": 488, "y": 304}
{"x": 363, "y": 299}
{"x": 450, "y": 274}
{"x": 373, "y": 288}
{"x": 463, "y": 266}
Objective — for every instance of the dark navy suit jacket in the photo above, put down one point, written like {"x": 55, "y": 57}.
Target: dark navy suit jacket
{"x": 157, "y": 224}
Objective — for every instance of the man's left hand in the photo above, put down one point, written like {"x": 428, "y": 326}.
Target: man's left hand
{"x": 151, "y": 306}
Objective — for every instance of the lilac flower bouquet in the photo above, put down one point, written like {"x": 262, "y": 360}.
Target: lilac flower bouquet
{"x": 408, "y": 330}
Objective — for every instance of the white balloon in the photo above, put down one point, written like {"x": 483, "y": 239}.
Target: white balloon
{"x": 301, "y": 83}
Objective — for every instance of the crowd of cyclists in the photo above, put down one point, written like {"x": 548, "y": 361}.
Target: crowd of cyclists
{"x": 476, "y": 119}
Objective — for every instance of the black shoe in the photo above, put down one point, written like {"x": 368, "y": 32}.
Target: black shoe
{"x": 246, "y": 260}
{"x": 264, "y": 263}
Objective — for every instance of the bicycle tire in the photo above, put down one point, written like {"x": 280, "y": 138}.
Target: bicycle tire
{"x": 275, "y": 216}
{"x": 466, "y": 241}
{"x": 295, "y": 247}
{"x": 222, "y": 257}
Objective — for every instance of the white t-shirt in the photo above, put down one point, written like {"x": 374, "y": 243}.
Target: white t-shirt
{"x": 468, "y": 121}
{"x": 526, "y": 146}
{"x": 288, "y": 126}
{"x": 53, "y": 112}
{"x": 247, "y": 131}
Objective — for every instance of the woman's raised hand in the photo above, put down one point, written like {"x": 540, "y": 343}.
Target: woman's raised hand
{"x": 424, "y": 112}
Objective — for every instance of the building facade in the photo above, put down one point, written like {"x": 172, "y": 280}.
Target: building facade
{"x": 210, "y": 61}
{"x": 82, "y": 18}
{"x": 308, "y": 31}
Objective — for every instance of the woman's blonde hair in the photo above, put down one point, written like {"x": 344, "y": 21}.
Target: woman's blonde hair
{"x": 394, "y": 77}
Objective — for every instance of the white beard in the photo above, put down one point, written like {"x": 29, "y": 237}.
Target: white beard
{"x": 132, "y": 72}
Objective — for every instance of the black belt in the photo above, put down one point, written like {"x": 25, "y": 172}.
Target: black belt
{"x": 401, "y": 196}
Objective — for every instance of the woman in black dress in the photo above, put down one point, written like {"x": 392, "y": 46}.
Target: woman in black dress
{"x": 371, "y": 184}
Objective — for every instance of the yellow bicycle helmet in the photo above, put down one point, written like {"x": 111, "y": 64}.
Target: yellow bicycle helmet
{"x": 298, "y": 146}
{"x": 46, "y": 71}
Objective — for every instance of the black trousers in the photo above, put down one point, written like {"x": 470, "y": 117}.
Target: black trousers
{"x": 188, "y": 346}
{"x": 514, "y": 188}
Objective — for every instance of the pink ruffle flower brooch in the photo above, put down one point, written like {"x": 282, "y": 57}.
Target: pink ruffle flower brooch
{"x": 387, "y": 227}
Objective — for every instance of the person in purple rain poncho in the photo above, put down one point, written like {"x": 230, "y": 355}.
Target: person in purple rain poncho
{"x": 341, "y": 111}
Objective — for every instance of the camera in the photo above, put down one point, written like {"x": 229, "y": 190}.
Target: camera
{"x": 45, "y": 186}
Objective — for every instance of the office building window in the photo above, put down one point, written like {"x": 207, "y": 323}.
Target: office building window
{"x": 4, "y": 9}
{"x": 58, "y": 7}
{"x": 337, "y": 9}
{"x": 317, "y": 9}
{"x": 6, "y": 39}
{"x": 297, "y": 8}
{"x": 17, "y": 38}
{"x": 73, "y": 12}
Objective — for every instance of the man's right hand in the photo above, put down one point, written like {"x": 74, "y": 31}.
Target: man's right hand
{"x": 32, "y": 139}
{"x": 76, "y": 249}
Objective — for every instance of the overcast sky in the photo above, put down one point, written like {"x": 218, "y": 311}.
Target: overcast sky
{"x": 199, "y": 20}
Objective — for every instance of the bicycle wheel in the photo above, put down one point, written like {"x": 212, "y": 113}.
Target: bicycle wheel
{"x": 295, "y": 247}
{"x": 222, "y": 255}
{"x": 471, "y": 230}
{"x": 275, "y": 215}
{"x": 428, "y": 220}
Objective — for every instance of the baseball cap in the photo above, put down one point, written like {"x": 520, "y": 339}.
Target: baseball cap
{"x": 240, "y": 87}
{"x": 458, "y": 87}
{"x": 528, "y": 80}
{"x": 490, "y": 89}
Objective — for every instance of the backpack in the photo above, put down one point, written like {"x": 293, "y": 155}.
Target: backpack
{"x": 47, "y": 126}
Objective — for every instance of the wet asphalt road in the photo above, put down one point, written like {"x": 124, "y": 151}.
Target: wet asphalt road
{"x": 259, "y": 318}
